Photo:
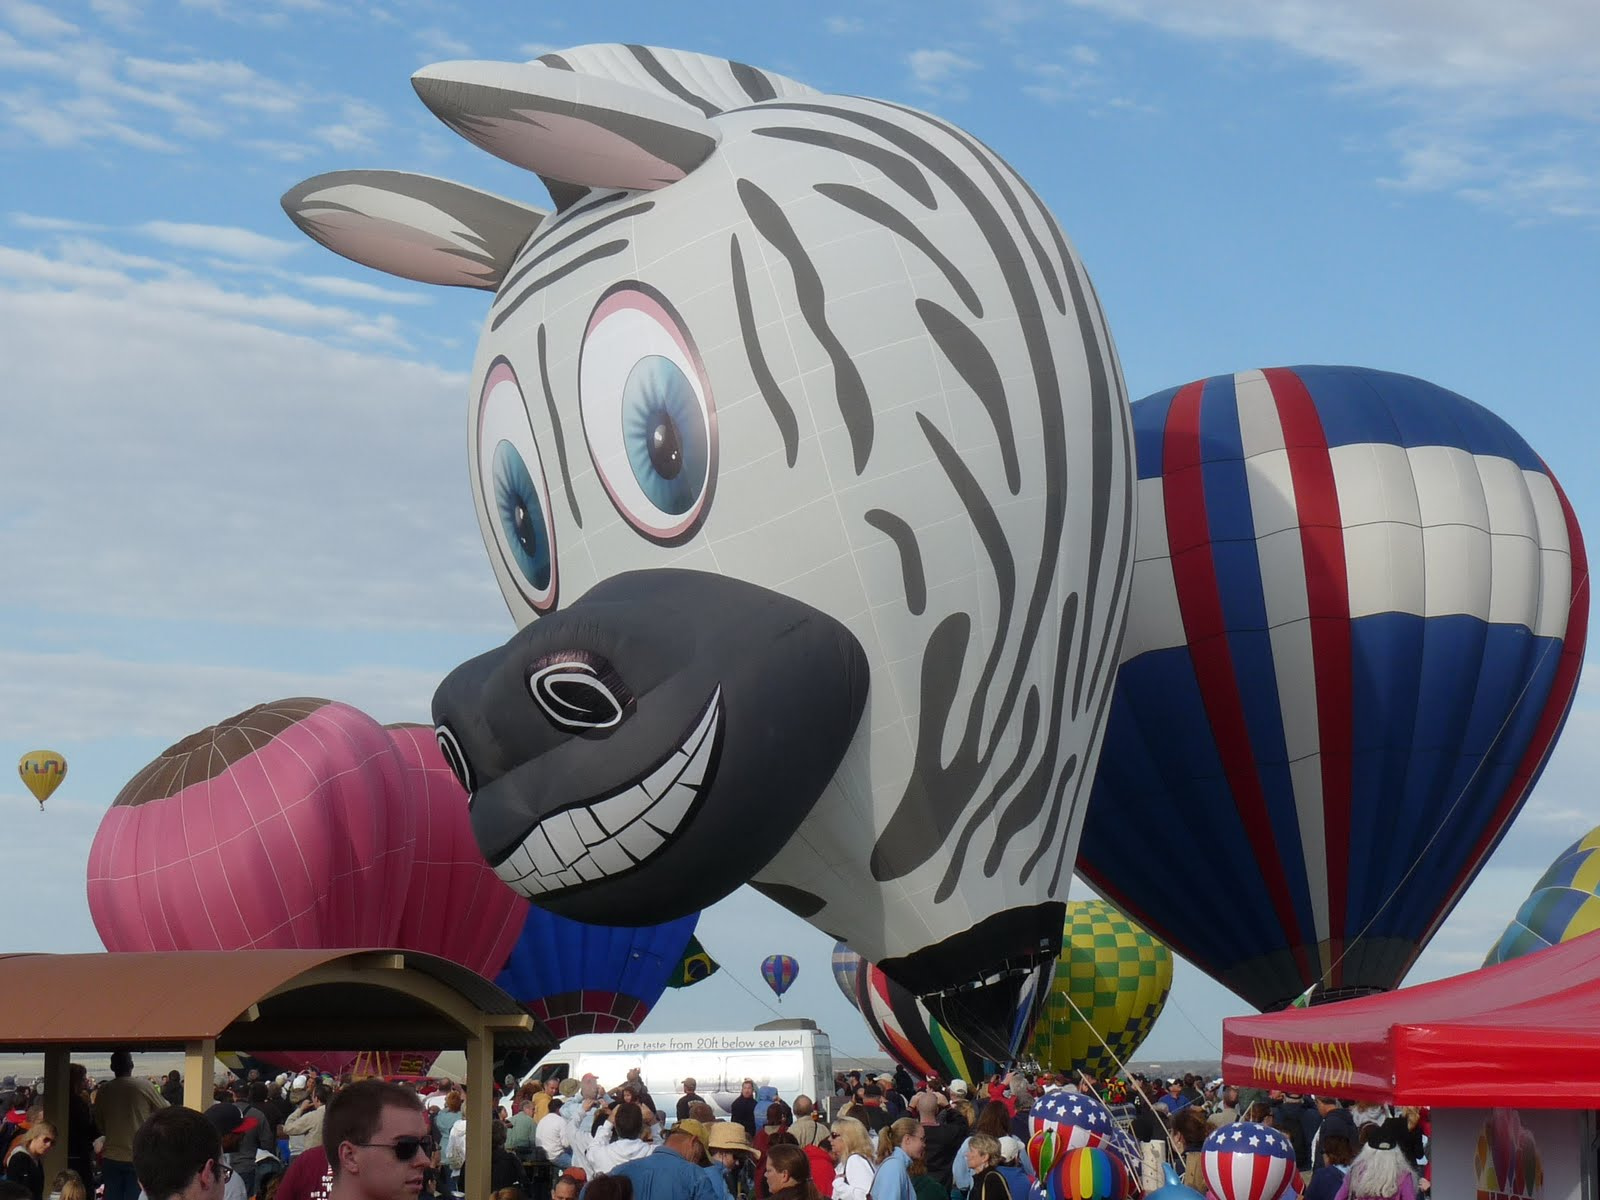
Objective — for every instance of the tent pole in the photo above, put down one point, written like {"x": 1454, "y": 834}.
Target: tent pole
{"x": 199, "y": 1073}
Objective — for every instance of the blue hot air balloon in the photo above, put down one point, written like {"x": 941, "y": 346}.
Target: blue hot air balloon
{"x": 779, "y": 970}
{"x": 846, "y": 964}
{"x": 1564, "y": 904}
{"x": 581, "y": 978}
{"x": 1355, "y": 628}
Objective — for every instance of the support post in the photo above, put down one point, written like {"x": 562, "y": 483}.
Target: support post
{"x": 199, "y": 1073}
{"x": 480, "y": 1106}
{"x": 57, "y": 1097}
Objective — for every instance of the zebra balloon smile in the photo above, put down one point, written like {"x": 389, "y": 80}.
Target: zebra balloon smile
{"x": 802, "y": 456}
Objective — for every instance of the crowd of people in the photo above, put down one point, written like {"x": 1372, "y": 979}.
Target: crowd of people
{"x": 884, "y": 1137}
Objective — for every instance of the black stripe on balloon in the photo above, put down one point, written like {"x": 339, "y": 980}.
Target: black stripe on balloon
{"x": 1019, "y": 814}
{"x": 1013, "y": 771}
{"x": 973, "y": 362}
{"x": 905, "y": 541}
{"x": 555, "y": 424}
{"x": 556, "y": 61}
{"x": 777, "y": 403}
{"x": 756, "y": 85}
{"x": 797, "y": 900}
{"x": 671, "y": 82}
{"x": 569, "y": 215}
{"x": 895, "y": 167}
{"x": 607, "y": 250}
{"x": 548, "y": 251}
{"x": 865, "y": 204}
{"x": 982, "y": 515}
{"x": 939, "y": 790}
{"x": 849, "y": 388}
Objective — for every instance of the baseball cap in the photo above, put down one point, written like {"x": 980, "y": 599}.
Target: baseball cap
{"x": 958, "y": 1087}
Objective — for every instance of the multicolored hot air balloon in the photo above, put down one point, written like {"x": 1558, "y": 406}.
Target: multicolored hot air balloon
{"x": 1111, "y": 984}
{"x": 1358, "y": 613}
{"x": 903, "y": 1027}
{"x": 42, "y": 772}
{"x": 1564, "y": 904}
{"x": 1086, "y": 1173}
{"x": 846, "y": 965}
{"x": 779, "y": 970}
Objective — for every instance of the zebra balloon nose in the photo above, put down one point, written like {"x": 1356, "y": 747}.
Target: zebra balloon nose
{"x": 579, "y": 692}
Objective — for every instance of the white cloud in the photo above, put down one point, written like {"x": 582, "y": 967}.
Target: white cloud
{"x": 47, "y": 224}
{"x": 275, "y": 479}
{"x": 844, "y": 25}
{"x": 440, "y": 44}
{"x": 33, "y": 20}
{"x": 354, "y": 131}
{"x": 123, "y": 14}
{"x": 221, "y": 239}
{"x": 935, "y": 70}
{"x": 1466, "y": 73}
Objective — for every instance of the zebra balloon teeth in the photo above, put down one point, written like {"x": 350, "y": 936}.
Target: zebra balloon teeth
{"x": 801, "y": 453}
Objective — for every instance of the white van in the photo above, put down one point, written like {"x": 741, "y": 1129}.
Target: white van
{"x": 794, "y": 1061}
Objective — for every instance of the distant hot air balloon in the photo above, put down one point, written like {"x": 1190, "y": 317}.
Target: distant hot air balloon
{"x": 1358, "y": 613}
{"x": 779, "y": 970}
{"x": 302, "y": 823}
{"x": 42, "y": 771}
{"x": 905, "y": 1030}
{"x": 1111, "y": 984}
{"x": 1564, "y": 904}
{"x": 580, "y": 978}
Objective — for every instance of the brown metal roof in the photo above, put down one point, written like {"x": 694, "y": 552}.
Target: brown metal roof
{"x": 310, "y": 999}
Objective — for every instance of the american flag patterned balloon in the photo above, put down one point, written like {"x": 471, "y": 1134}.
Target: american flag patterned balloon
{"x": 1246, "y": 1161}
{"x": 1079, "y": 1118}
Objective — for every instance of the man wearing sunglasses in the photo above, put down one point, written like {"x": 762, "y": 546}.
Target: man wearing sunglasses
{"x": 378, "y": 1140}
{"x": 177, "y": 1155}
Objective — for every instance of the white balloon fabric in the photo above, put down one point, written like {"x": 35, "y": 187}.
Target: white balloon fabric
{"x": 834, "y": 348}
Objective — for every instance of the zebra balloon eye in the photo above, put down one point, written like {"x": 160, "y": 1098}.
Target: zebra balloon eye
{"x": 648, "y": 415}
{"x": 515, "y": 497}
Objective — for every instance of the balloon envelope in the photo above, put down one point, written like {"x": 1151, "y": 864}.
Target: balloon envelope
{"x": 1245, "y": 1161}
{"x": 1564, "y": 904}
{"x": 846, "y": 963}
{"x": 1358, "y": 615}
{"x": 1111, "y": 984}
{"x": 581, "y": 978}
{"x": 42, "y": 772}
{"x": 906, "y": 1031}
{"x": 779, "y": 970}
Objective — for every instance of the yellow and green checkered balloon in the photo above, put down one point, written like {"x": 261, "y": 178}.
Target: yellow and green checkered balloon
{"x": 1564, "y": 904}
{"x": 1118, "y": 975}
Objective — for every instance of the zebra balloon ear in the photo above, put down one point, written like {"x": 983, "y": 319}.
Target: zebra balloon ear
{"x": 568, "y": 126}
{"x": 414, "y": 226}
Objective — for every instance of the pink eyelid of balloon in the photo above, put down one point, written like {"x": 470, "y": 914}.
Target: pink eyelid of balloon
{"x": 652, "y": 308}
{"x": 501, "y": 372}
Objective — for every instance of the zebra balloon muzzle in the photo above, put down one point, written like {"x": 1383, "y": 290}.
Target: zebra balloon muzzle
{"x": 612, "y": 747}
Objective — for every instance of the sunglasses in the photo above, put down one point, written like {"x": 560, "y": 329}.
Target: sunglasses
{"x": 405, "y": 1149}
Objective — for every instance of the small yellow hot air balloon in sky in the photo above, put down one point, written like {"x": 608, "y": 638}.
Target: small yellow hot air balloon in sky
{"x": 42, "y": 771}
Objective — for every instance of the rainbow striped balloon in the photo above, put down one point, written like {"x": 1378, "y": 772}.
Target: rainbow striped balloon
{"x": 1087, "y": 1173}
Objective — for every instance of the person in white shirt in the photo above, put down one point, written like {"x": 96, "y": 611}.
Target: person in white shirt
{"x": 619, "y": 1140}
{"x": 553, "y": 1135}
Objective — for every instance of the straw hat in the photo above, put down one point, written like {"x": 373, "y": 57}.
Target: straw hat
{"x": 730, "y": 1135}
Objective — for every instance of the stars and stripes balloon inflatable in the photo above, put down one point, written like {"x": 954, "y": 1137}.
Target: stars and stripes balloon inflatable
{"x": 1246, "y": 1161}
{"x": 1077, "y": 1118}
{"x": 1358, "y": 614}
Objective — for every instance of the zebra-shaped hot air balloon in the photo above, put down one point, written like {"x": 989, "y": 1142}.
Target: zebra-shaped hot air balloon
{"x": 799, "y": 425}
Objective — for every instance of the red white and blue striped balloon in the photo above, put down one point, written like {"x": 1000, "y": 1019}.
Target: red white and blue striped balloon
{"x": 1356, "y": 623}
{"x": 1247, "y": 1161}
{"x": 1078, "y": 1118}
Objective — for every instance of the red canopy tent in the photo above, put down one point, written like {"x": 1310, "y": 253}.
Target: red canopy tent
{"x": 1522, "y": 1034}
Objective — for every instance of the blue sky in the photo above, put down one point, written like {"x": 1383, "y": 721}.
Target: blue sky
{"x": 236, "y": 463}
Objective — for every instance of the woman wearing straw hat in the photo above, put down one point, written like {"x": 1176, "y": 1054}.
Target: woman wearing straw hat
{"x": 730, "y": 1148}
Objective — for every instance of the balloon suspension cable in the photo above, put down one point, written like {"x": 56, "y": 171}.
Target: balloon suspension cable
{"x": 1439, "y": 828}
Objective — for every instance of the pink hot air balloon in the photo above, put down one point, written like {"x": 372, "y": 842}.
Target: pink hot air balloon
{"x": 300, "y": 824}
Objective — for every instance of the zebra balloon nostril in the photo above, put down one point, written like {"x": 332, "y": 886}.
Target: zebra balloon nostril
{"x": 579, "y": 692}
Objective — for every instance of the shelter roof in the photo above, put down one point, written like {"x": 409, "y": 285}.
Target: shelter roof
{"x": 255, "y": 999}
{"x": 1525, "y": 1033}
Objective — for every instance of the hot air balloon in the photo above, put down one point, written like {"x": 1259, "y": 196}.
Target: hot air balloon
{"x": 301, "y": 823}
{"x": 1564, "y": 904}
{"x": 580, "y": 978}
{"x": 846, "y": 963}
{"x": 1245, "y": 1161}
{"x": 1111, "y": 984}
{"x": 1086, "y": 1173}
{"x": 1358, "y": 615}
{"x": 904, "y": 1028}
{"x": 779, "y": 970}
{"x": 42, "y": 771}
{"x": 714, "y": 582}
